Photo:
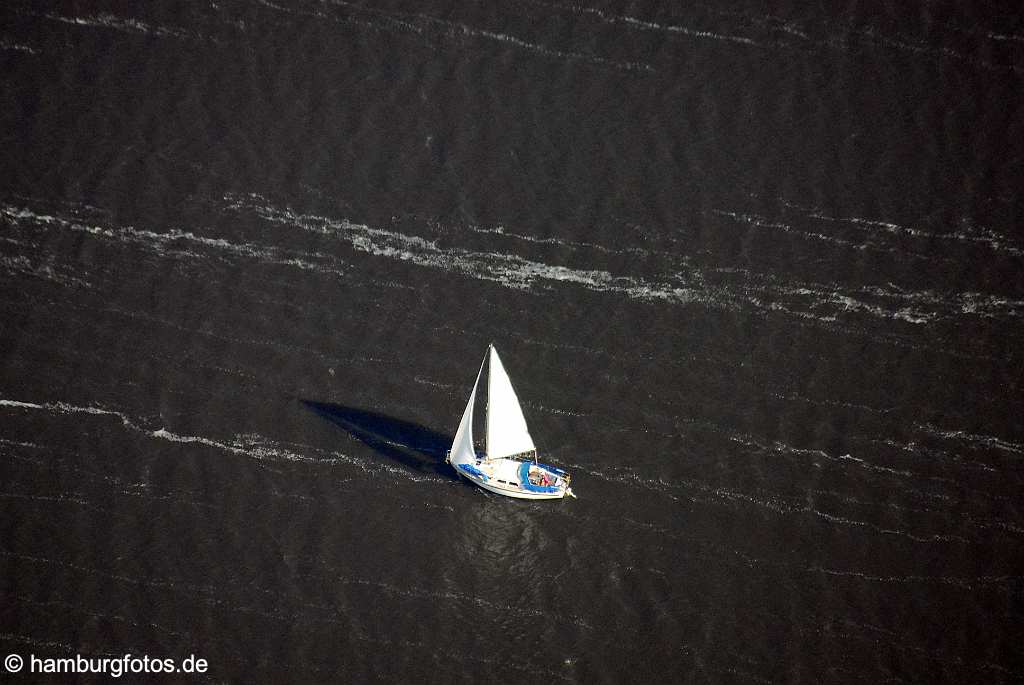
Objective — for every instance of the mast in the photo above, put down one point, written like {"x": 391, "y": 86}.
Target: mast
{"x": 487, "y": 403}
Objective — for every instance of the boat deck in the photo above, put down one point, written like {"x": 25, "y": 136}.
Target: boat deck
{"x": 502, "y": 471}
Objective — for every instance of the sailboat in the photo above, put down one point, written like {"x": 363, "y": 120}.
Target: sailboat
{"x": 508, "y": 464}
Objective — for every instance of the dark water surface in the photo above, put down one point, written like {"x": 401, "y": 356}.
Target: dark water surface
{"x": 755, "y": 272}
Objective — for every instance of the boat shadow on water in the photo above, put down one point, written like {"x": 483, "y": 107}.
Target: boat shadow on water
{"x": 410, "y": 444}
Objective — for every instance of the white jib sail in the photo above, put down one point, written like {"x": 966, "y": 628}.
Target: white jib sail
{"x": 506, "y": 427}
{"x": 462, "y": 446}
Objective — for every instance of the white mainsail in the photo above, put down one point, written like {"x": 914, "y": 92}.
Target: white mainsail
{"x": 462, "y": 451}
{"x": 506, "y": 427}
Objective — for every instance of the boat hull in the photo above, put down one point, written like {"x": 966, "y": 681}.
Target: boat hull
{"x": 513, "y": 492}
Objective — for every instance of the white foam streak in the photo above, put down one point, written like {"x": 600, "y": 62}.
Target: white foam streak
{"x": 830, "y": 403}
{"x": 778, "y": 505}
{"x": 43, "y": 645}
{"x": 641, "y": 24}
{"x": 942, "y": 52}
{"x": 458, "y": 30}
{"x": 126, "y": 25}
{"x": 23, "y": 405}
{"x": 253, "y": 447}
{"x": 390, "y": 18}
{"x": 973, "y": 439}
{"x": 543, "y": 50}
{"x": 966, "y": 235}
{"x": 510, "y": 270}
{"x": 576, "y": 244}
{"x": 168, "y": 244}
{"x": 916, "y": 307}
{"x": 74, "y": 499}
{"x": 783, "y": 449}
{"x": 427, "y": 26}
{"x": 17, "y": 47}
{"x": 24, "y": 266}
{"x": 818, "y": 302}
{"x": 762, "y": 222}
{"x": 1006, "y": 36}
{"x": 887, "y": 531}
{"x": 966, "y": 583}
